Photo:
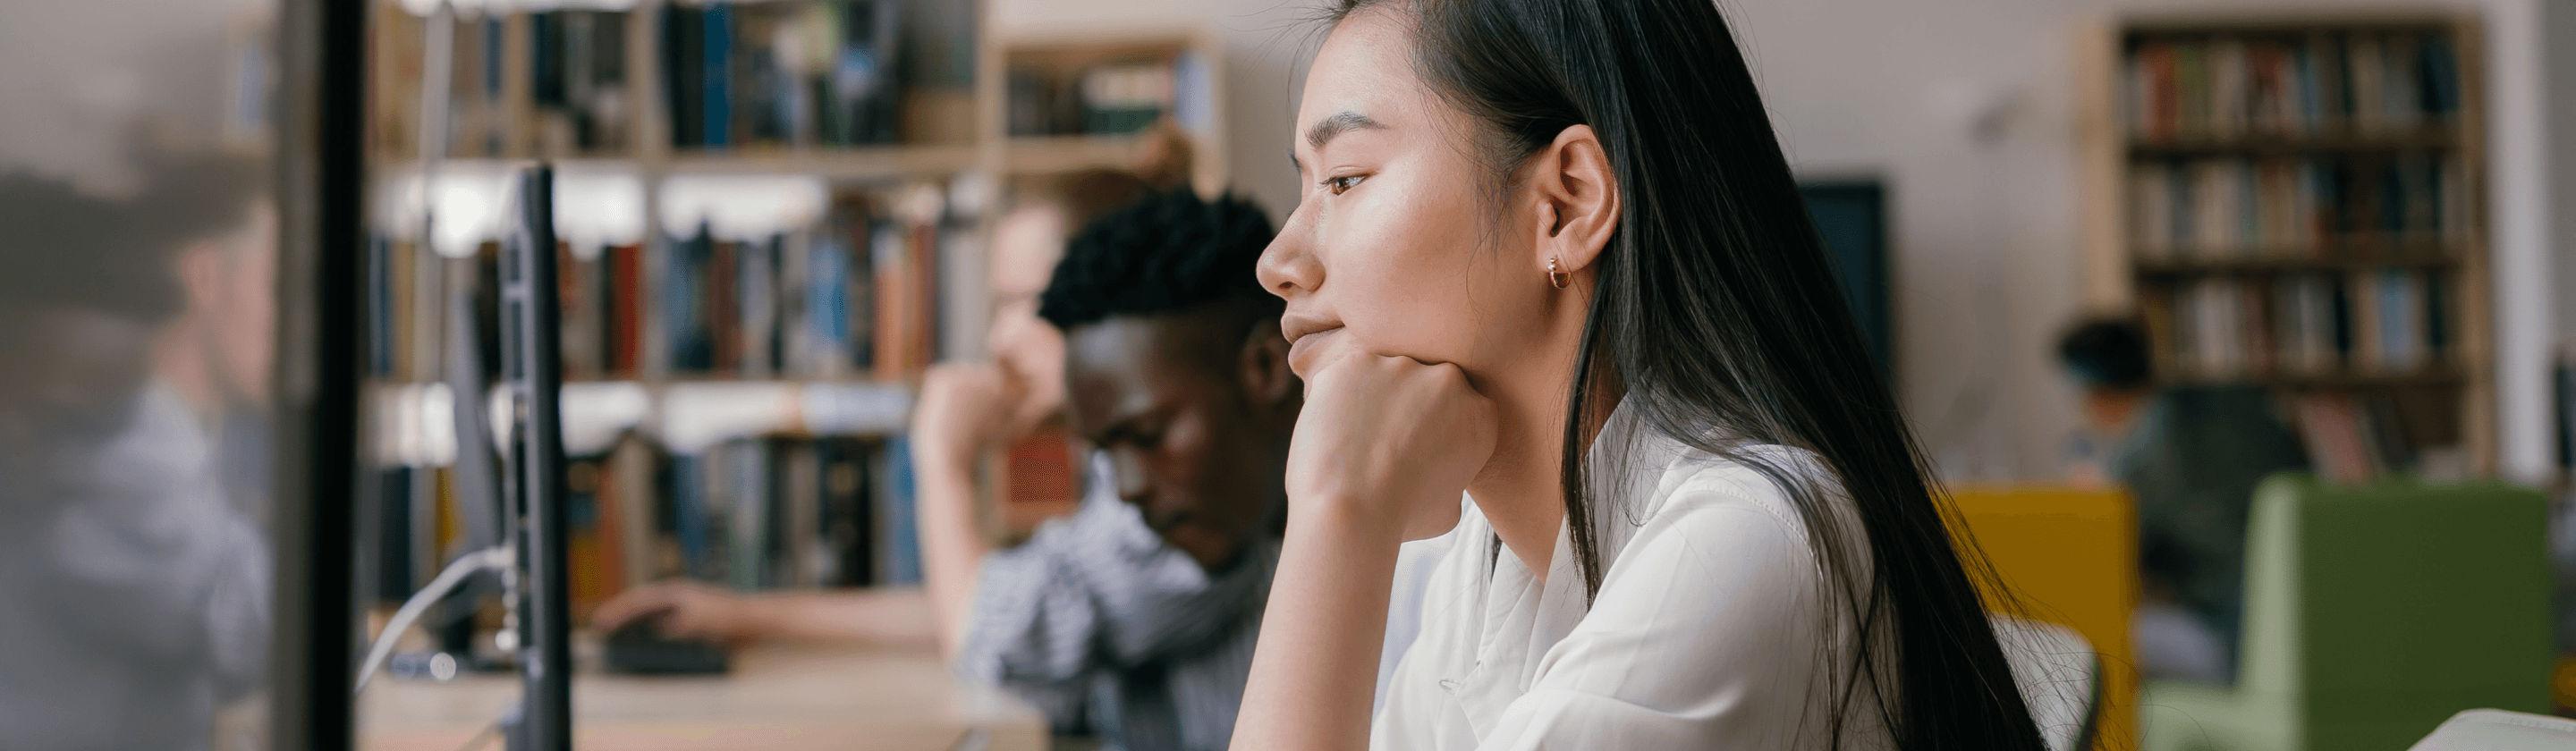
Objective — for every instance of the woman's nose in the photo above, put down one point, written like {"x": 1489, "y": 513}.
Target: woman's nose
{"x": 1288, "y": 267}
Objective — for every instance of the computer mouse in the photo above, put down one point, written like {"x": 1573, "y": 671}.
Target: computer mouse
{"x": 639, "y": 646}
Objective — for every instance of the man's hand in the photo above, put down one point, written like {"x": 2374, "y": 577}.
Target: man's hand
{"x": 966, "y": 409}
{"x": 696, "y": 611}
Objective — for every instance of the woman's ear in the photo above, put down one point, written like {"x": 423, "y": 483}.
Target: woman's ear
{"x": 1578, "y": 200}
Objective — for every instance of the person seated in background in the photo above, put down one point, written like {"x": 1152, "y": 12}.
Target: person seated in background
{"x": 134, "y": 570}
{"x": 1134, "y": 617}
{"x": 2190, "y": 455}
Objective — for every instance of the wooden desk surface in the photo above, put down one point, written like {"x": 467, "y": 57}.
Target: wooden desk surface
{"x": 789, "y": 698}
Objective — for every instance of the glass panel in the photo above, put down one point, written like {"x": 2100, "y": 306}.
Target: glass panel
{"x": 138, "y": 266}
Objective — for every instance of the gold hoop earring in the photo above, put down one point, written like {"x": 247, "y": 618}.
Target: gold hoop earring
{"x": 1555, "y": 277}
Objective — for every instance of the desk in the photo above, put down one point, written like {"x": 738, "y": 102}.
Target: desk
{"x": 789, "y": 698}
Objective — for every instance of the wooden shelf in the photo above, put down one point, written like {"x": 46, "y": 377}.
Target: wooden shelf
{"x": 2273, "y": 263}
{"x": 2280, "y": 22}
{"x": 860, "y": 163}
{"x": 2430, "y": 376}
{"x": 2333, "y": 141}
{"x": 1031, "y": 155}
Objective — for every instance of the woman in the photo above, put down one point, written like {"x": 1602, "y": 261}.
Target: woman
{"x": 1549, "y": 254}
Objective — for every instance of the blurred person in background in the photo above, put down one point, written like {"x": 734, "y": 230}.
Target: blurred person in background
{"x": 1132, "y": 618}
{"x": 2190, "y": 455}
{"x": 132, "y": 561}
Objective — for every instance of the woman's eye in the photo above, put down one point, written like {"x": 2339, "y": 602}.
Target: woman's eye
{"x": 1345, "y": 182}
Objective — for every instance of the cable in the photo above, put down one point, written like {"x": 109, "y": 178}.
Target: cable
{"x": 464, "y": 566}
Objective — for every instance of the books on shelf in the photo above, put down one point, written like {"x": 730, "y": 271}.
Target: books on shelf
{"x": 777, "y": 513}
{"x": 903, "y": 257}
{"x": 857, "y": 294}
{"x": 479, "y": 113}
{"x": 577, "y": 67}
{"x": 2318, "y": 206}
{"x": 591, "y": 551}
{"x": 1119, "y": 96}
{"x": 801, "y": 74}
{"x": 2379, "y": 321}
{"x": 2264, "y": 84}
{"x": 1125, "y": 98}
{"x": 2297, "y": 207}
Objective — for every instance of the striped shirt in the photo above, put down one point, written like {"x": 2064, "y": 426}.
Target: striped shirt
{"x": 1107, "y": 629}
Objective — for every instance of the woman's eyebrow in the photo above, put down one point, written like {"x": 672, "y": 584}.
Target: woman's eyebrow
{"x": 1336, "y": 124}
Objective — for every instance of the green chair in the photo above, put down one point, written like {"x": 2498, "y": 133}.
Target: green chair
{"x": 2371, "y": 615}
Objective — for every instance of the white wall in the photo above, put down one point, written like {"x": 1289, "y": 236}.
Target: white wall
{"x": 2532, "y": 56}
{"x": 80, "y": 77}
{"x": 1967, "y": 110}
{"x": 2556, "y": 46}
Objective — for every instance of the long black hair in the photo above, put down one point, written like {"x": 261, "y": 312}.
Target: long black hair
{"x": 1716, "y": 311}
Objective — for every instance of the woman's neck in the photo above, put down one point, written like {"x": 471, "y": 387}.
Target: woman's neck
{"x": 1520, "y": 490}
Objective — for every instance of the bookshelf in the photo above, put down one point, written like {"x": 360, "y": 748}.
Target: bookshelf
{"x": 2294, "y": 202}
{"x": 1040, "y": 111}
{"x": 786, "y": 205}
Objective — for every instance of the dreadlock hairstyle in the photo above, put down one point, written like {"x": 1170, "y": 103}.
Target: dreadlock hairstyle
{"x": 1716, "y": 310}
{"x": 1169, "y": 253}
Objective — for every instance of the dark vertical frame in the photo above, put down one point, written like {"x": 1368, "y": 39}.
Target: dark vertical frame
{"x": 531, "y": 320}
{"x": 320, "y": 111}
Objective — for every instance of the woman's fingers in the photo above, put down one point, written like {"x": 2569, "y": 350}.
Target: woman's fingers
{"x": 1395, "y": 438}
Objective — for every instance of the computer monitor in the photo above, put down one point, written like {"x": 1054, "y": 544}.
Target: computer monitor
{"x": 1852, "y": 217}
{"x": 533, "y": 371}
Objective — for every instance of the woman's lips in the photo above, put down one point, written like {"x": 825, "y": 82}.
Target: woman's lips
{"x": 1304, "y": 347}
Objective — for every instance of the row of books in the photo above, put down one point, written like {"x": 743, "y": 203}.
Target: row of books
{"x": 1115, "y": 98}
{"x": 2280, "y": 206}
{"x": 2389, "y": 321}
{"x": 815, "y": 73}
{"x": 780, "y": 513}
{"x": 2290, "y": 85}
{"x": 577, "y": 64}
{"x": 855, "y": 297}
{"x": 582, "y": 98}
{"x": 756, "y": 514}
{"x": 478, "y": 121}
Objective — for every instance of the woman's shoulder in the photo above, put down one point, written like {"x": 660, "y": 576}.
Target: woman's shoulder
{"x": 1699, "y": 493}
{"x": 1761, "y": 475}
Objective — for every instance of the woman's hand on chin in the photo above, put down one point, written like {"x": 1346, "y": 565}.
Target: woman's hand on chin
{"x": 1383, "y": 447}
{"x": 1384, "y": 442}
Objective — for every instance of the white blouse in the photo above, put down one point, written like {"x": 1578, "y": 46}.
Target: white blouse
{"x": 1707, "y": 632}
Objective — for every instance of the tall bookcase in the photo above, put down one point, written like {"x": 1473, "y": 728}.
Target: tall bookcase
{"x": 737, "y": 396}
{"x": 2295, "y": 202}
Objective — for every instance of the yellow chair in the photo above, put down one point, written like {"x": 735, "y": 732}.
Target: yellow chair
{"x": 2070, "y": 557}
